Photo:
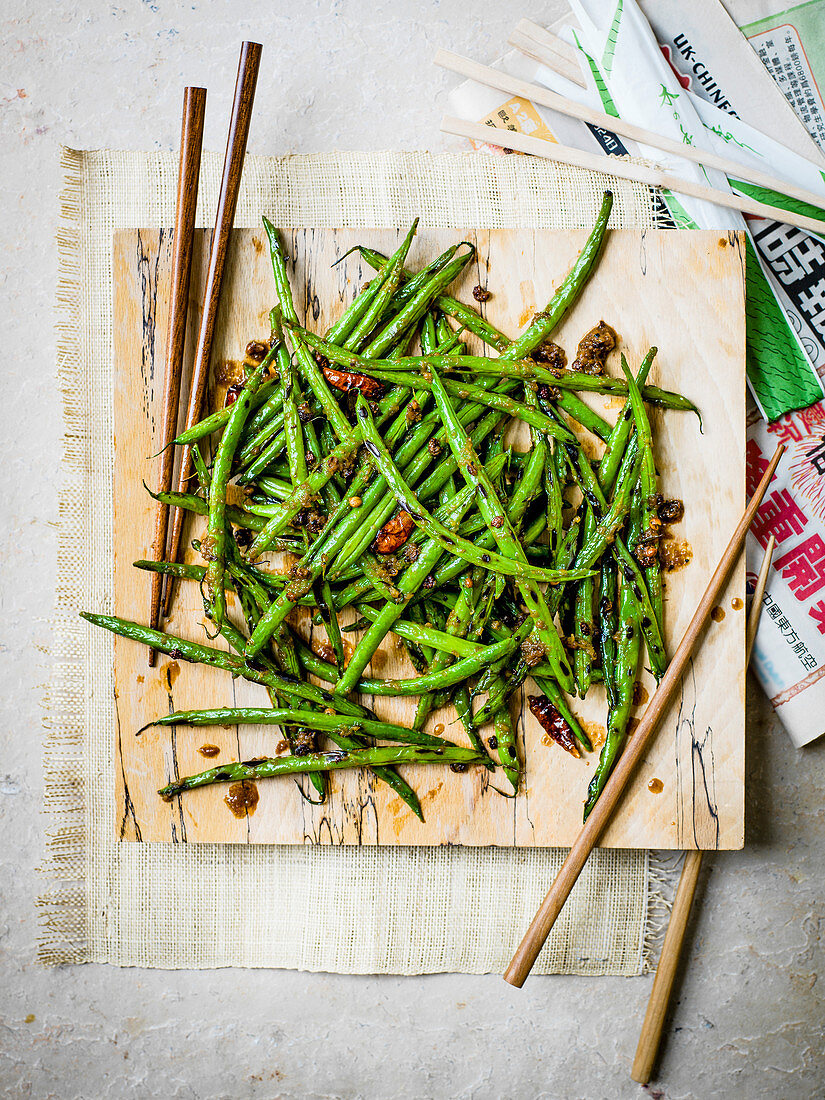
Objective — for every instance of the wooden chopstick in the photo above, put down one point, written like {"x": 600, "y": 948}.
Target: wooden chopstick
{"x": 623, "y": 169}
{"x": 596, "y": 823}
{"x": 758, "y": 594}
{"x": 537, "y": 42}
{"x": 513, "y": 85}
{"x": 650, "y": 1036}
{"x": 191, "y": 140}
{"x": 246, "y": 80}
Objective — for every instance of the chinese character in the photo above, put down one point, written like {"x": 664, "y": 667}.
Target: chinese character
{"x": 755, "y": 466}
{"x": 809, "y": 662}
{"x": 817, "y": 457}
{"x": 779, "y": 516}
{"x": 817, "y": 613}
{"x": 775, "y": 611}
{"x": 803, "y": 567}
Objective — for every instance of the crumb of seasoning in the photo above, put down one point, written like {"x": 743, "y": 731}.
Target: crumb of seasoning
{"x": 438, "y": 729}
{"x": 354, "y": 502}
{"x": 593, "y": 348}
{"x": 256, "y": 350}
{"x": 670, "y": 511}
{"x": 481, "y": 294}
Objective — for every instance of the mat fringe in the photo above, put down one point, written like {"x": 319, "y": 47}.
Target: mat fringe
{"x": 63, "y": 909}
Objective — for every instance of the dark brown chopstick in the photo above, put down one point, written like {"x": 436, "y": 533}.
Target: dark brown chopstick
{"x": 527, "y": 951}
{"x": 230, "y": 187}
{"x": 191, "y": 140}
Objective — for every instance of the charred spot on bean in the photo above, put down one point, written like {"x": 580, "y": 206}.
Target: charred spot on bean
{"x": 485, "y": 558}
{"x": 373, "y": 450}
{"x": 458, "y": 766}
{"x": 493, "y": 742}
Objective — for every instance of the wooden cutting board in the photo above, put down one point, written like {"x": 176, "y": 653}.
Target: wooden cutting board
{"x": 683, "y": 292}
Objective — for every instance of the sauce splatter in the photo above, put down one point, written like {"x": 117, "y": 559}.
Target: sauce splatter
{"x": 675, "y": 554}
{"x": 227, "y": 372}
{"x": 737, "y": 604}
{"x": 640, "y": 694}
{"x": 209, "y": 750}
{"x": 438, "y": 729}
{"x": 172, "y": 671}
{"x": 597, "y": 733}
{"x": 655, "y": 786}
{"x": 281, "y": 747}
{"x": 242, "y": 798}
{"x": 717, "y": 614}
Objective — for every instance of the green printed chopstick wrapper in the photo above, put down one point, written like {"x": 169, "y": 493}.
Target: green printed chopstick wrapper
{"x": 628, "y": 76}
{"x": 643, "y": 87}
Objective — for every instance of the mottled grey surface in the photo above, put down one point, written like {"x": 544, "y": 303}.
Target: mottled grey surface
{"x": 748, "y": 1020}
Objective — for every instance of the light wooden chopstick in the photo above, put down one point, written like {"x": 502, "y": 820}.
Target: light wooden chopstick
{"x": 191, "y": 140}
{"x": 650, "y": 1036}
{"x": 537, "y": 42}
{"x": 545, "y": 918}
{"x": 512, "y": 85}
{"x": 623, "y": 169}
{"x": 245, "y": 82}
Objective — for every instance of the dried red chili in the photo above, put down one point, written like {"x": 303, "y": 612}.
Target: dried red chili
{"x": 394, "y": 533}
{"x": 552, "y": 723}
{"x": 346, "y": 380}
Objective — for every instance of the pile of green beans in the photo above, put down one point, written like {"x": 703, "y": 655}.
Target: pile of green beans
{"x": 388, "y": 478}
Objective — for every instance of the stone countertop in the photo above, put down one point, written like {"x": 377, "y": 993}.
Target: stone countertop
{"x": 748, "y": 1013}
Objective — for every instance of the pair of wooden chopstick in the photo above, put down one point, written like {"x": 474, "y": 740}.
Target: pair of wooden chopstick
{"x": 651, "y": 1034}
{"x": 194, "y": 104}
{"x": 654, "y": 177}
{"x": 545, "y": 918}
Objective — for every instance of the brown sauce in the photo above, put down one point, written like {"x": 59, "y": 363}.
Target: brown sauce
{"x": 209, "y": 750}
{"x": 675, "y": 554}
{"x": 737, "y": 604}
{"x": 242, "y": 798}
{"x": 717, "y": 614}
{"x": 228, "y": 371}
{"x": 640, "y": 694}
{"x": 172, "y": 671}
{"x": 438, "y": 729}
{"x": 596, "y": 732}
{"x": 655, "y": 786}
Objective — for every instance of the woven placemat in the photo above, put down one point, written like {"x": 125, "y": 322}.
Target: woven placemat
{"x": 371, "y": 910}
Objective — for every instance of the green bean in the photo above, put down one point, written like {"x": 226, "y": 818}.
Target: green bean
{"x": 409, "y": 583}
{"x": 422, "y": 635}
{"x": 320, "y": 761}
{"x": 181, "y": 649}
{"x": 506, "y": 746}
{"x": 216, "y": 523}
{"x": 416, "y": 307}
{"x": 650, "y": 523}
{"x": 544, "y": 322}
{"x": 219, "y": 419}
{"x": 312, "y": 719}
{"x": 627, "y": 659}
{"x": 451, "y": 543}
{"x": 608, "y": 625}
{"x": 388, "y": 280}
{"x": 306, "y": 364}
{"x": 503, "y": 533}
{"x": 617, "y": 443}
{"x": 559, "y": 700}
{"x": 304, "y": 493}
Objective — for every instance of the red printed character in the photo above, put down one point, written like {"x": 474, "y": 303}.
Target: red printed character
{"x": 755, "y": 466}
{"x": 817, "y": 613}
{"x": 804, "y": 567}
{"x": 779, "y": 516}
{"x": 787, "y": 429}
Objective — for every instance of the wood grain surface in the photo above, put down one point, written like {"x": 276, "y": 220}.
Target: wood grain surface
{"x": 683, "y": 292}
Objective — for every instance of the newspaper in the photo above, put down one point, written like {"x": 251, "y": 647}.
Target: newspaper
{"x": 701, "y": 99}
